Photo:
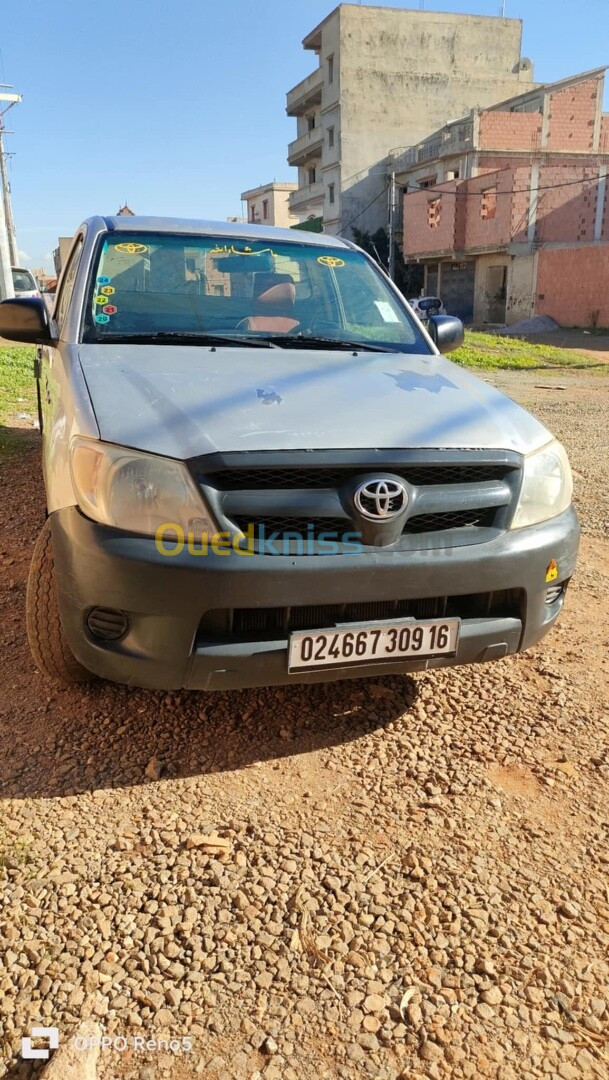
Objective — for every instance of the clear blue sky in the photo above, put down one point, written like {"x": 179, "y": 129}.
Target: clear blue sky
{"x": 179, "y": 105}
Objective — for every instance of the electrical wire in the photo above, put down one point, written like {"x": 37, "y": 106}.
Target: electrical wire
{"x": 510, "y": 191}
{"x": 371, "y": 203}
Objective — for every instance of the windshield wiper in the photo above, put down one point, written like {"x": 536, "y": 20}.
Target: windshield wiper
{"x": 305, "y": 341}
{"x": 162, "y": 336}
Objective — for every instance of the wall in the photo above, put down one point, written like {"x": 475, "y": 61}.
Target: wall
{"x": 510, "y": 131}
{"x": 521, "y": 288}
{"x": 418, "y": 237}
{"x": 571, "y": 116}
{"x": 573, "y": 285}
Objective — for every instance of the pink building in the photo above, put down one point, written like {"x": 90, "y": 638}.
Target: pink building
{"x": 508, "y": 208}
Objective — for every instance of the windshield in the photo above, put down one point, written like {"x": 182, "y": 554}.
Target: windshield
{"x": 164, "y": 286}
{"x": 23, "y": 281}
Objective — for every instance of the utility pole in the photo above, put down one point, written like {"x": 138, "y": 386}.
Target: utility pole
{"x": 7, "y": 225}
{"x": 392, "y": 218}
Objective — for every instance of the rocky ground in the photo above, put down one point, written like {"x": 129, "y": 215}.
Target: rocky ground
{"x": 395, "y": 878}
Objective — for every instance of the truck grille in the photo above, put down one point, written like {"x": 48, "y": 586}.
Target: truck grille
{"x": 236, "y": 623}
{"x": 458, "y": 496}
{"x": 320, "y": 477}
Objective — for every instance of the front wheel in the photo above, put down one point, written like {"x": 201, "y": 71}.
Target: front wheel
{"x": 51, "y": 652}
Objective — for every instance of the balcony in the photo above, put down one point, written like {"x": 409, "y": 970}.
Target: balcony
{"x": 306, "y": 146}
{"x": 456, "y": 138}
{"x": 311, "y": 194}
{"x": 305, "y": 94}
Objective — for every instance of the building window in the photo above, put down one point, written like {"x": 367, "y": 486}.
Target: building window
{"x": 330, "y": 69}
{"x": 428, "y": 181}
{"x": 310, "y": 123}
{"x": 330, "y": 137}
{"x": 434, "y": 212}
{"x": 253, "y": 212}
{"x": 488, "y": 203}
{"x": 331, "y": 193}
{"x": 265, "y": 209}
{"x": 311, "y": 174}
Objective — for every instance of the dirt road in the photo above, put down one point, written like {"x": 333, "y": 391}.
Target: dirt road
{"x": 412, "y": 877}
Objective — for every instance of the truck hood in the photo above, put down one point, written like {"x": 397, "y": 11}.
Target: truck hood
{"x": 184, "y": 401}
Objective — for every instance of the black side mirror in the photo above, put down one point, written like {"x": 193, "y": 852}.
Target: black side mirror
{"x": 446, "y": 332}
{"x": 25, "y": 320}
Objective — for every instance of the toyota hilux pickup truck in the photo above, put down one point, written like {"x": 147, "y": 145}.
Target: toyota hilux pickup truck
{"x": 260, "y": 469}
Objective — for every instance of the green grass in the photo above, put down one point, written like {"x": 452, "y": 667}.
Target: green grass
{"x": 17, "y": 395}
{"x": 493, "y": 352}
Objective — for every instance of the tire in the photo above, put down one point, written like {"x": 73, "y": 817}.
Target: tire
{"x": 51, "y": 652}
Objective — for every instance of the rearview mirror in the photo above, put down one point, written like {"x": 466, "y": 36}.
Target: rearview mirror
{"x": 446, "y": 332}
{"x": 25, "y": 320}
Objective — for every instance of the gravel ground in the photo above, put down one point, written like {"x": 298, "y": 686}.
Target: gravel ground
{"x": 393, "y": 878}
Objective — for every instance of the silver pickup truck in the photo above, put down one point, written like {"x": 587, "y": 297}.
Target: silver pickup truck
{"x": 259, "y": 469}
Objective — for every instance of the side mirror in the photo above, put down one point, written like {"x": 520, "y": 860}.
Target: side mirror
{"x": 445, "y": 331}
{"x": 25, "y": 320}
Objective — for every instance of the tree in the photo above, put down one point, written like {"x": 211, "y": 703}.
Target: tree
{"x": 408, "y": 276}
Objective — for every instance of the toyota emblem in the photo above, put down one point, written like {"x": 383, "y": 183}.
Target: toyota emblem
{"x": 381, "y": 500}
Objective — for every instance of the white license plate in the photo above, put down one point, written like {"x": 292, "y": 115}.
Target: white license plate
{"x": 363, "y": 645}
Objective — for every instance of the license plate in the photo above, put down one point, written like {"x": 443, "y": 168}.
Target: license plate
{"x": 364, "y": 645}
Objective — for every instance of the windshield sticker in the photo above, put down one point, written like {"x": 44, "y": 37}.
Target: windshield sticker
{"x": 384, "y": 309}
{"x": 103, "y": 280}
{"x": 110, "y": 309}
{"x": 101, "y": 300}
{"x": 232, "y": 250}
{"x": 108, "y": 290}
{"x": 131, "y": 248}
{"x": 330, "y": 260}
{"x": 102, "y": 318}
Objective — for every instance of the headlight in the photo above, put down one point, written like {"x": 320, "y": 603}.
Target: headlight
{"x": 547, "y": 486}
{"x": 135, "y": 491}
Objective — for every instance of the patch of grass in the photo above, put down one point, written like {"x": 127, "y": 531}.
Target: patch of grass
{"x": 17, "y": 394}
{"x": 493, "y": 351}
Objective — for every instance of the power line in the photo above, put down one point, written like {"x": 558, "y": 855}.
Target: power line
{"x": 371, "y": 203}
{"x": 509, "y": 191}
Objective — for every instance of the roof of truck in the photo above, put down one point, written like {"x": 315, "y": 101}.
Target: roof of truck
{"x": 238, "y": 230}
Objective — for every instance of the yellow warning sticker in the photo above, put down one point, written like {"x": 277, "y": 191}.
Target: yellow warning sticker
{"x": 552, "y": 571}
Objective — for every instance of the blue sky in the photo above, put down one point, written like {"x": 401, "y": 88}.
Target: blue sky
{"x": 177, "y": 107}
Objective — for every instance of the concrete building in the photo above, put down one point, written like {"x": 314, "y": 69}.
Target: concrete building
{"x": 385, "y": 78}
{"x": 510, "y": 212}
{"x": 269, "y": 204}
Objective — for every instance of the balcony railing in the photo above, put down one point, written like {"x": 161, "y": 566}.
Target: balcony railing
{"x": 305, "y": 93}
{"x": 453, "y": 139}
{"x": 305, "y": 146}
{"x": 308, "y": 194}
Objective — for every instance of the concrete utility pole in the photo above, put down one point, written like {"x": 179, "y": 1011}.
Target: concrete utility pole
{"x": 8, "y": 242}
{"x": 392, "y": 217}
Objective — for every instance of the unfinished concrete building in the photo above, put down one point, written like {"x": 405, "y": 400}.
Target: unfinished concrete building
{"x": 385, "y": 78}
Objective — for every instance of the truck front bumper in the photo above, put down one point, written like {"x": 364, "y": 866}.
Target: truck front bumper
{"x": 165, "y": 598}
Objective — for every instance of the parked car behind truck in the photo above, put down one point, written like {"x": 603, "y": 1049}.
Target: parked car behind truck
{"x": 259, "y": 469}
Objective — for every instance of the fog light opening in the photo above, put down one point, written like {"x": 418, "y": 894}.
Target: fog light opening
{"x": 554, "y": 593}
{"x": 107, "y": 624}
